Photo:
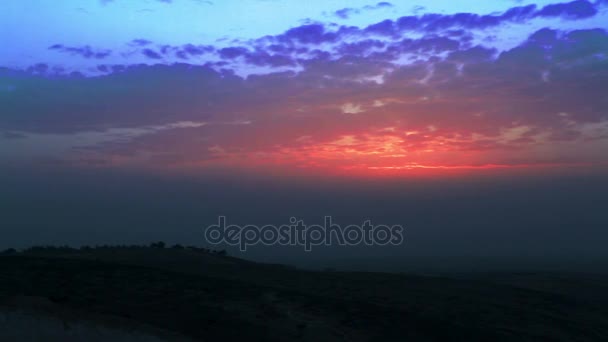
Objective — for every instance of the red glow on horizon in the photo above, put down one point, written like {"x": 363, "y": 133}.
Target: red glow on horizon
{"x": 370, "y": 156}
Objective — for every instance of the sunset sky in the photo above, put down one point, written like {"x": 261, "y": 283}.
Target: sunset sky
{"x": 479, "y": 126}
{"x": 304, "y": 87}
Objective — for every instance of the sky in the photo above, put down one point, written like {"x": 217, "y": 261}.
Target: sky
{"x": 303, "y": 92}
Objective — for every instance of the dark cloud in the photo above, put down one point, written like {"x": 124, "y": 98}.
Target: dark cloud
{"x": 578, "y": 9}
{"x": 518, "y": 13}
{"x": 140, "y": 42}
{"x": 361, "y": 47}
{"x": 308, "y": 34}
{"x": 382, "y": 4}
{"x": 434, "y": 22}
{"x": 575, "y": 10}
{"x": 84, "y": 51}
{"x": 347, "y": 12}
{"x": 384, "y": 28}
{"x": 39, "y": 68}
{"x": 297, "y": 40}
{"x": 262, "y": 58}
{"x": 232, "y": 52}
{"x": 431, "y": 43}
{"x": 151, "y": 54}
{"x": 194, "y": 50}
{"x": 103, "y": 68}
{"x": 417, "y": 9}
{"x": 477, "y": 54}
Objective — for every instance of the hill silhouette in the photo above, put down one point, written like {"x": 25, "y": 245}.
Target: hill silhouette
{"x": 206, "y": 295}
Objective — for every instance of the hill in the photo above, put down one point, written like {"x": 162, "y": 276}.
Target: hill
{"x": 193, "y": 294}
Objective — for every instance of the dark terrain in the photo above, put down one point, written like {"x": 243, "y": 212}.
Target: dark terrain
{"x": 179, "y": 293}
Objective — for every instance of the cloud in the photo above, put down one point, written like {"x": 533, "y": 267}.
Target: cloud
{"x": 578, "y": 9}
{"x": 193, "y": 50}
{"x": 232, "y": 52}
{"x": 140, "y": 42}
{"x": 440, "y": 33}
{"x": 473, "y": 107}
{"x": 337, "y": 97}
{"x": 347, "y": 12}
{"x": 83, "y": 51}
{"x": 308, "y": 34}
{"x": 379, "y": 5}
{"x": 151, "y": 54}
{"x": 433, "y": 22}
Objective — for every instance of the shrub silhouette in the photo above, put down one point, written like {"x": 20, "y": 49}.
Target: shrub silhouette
{"x": 9, "y": 251}
{"x": 62, "y": 250}
{"x": 159, "y": 244}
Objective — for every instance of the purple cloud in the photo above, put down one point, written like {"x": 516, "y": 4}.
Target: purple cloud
{"x": 190, "y": 50}
{"x": 346, "y": 13}
{"x": 84, "y": 51}
{"x": 39, "y": 68}
{"x": 379, "y": 5}
{"x": 574, "y": 10}
{"x": 578, "y": 9}
{"x": 151, "y": 54}
{"x": 262, "y": 58}
{"x": 384, "y": 28}
{"x": 232, "y": 52}
{"x": 140, "y": 42}
{"x": 309, "y": 34}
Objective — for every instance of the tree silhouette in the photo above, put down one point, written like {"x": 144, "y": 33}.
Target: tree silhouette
{"x": 159, "y": 244}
